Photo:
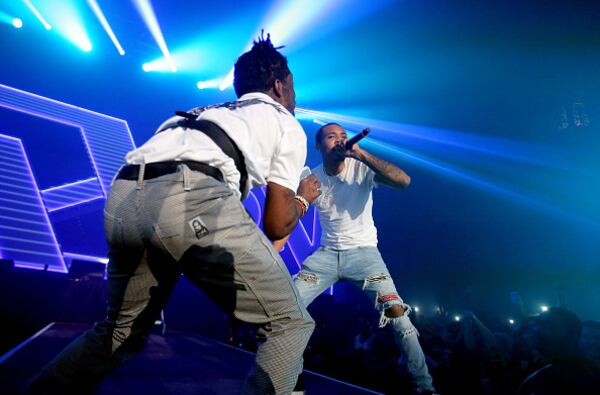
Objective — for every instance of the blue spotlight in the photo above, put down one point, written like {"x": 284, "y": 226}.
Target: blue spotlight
{"x": 18, "y": 23}
{"x": 227, "y": 81}
{"x": 6, "y": 18}
{"x": 287, "y": 21}
{"x": 161, "y": 65}
{"x": 37, "y": 14}
{"x": 207, "y": 84}
{"x": 86, "y": 46}
{"x": 290, "y": 19}
{"x": 441, "y": 140}
{"x": 482, "y": 182}
{"x": 69, "y": 23}
{"x": 100, "y": 15}
{"x": 145, "y": 9}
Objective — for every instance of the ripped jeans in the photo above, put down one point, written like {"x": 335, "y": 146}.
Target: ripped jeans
{"x": 364, "y": 267}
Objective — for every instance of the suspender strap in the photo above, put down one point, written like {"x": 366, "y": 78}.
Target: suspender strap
{"x": 218, "y": 136}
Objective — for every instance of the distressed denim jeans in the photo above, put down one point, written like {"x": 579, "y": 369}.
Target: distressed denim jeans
{"x": 365, "y": 268}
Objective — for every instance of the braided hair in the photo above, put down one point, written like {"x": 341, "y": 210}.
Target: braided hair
{"x": 258, "y": 69}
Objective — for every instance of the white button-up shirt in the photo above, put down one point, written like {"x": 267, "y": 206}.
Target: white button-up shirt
{"x": 271, "y": 139}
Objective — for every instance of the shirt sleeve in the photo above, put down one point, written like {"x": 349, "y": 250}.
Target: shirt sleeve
{"x": 288, "y": 160}
{"x": 368, "y": 174}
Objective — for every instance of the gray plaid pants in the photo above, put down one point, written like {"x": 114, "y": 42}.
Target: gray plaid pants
{"x": 189, "y": 223}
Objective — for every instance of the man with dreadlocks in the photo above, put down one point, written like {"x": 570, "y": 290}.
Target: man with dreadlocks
{"x": 175, "y": 208}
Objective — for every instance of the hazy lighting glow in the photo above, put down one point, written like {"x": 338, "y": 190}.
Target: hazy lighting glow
{"x": 207, "y": 84}
{"x": 145, "y": 9}
{"x": 37, "y": 14}
{"x": 100, "y": 15}
{"x": 69, "y": 22}
{"x": 285, "y": 22}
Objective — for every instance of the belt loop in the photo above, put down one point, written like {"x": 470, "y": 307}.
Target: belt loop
{"x": 117, "y": 175}
{"x": 186, "y": 178}
{"x": 140, "y": 180}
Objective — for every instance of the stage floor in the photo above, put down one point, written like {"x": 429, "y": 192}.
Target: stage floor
{"x": 177, "y": 363}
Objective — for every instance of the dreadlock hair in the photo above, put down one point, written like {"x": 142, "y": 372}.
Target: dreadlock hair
{"x": 257, "y": 69}
{"x": 319, "y": 134}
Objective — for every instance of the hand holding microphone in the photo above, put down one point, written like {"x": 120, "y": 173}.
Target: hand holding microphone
{"x": 349, "y": 149}
{"x": 350, "y": 143}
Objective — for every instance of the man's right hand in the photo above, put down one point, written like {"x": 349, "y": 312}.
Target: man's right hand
{"x": 309, "y": 188}
{"x": 281, "y": 209}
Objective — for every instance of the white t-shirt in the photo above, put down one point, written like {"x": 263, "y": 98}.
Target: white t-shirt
{"x": 346, "y": 206}
{"x": 271, "y": 139}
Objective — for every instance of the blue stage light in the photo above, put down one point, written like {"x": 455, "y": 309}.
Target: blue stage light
{"x": 210, "y": 54}
{"x": 207, "y": 84}
{"x": 161, "y": 65}
{"x": 6, "y": 18}
{"x": 475, "y": 167}
{"x": 68, "y": 22}
{"x": 286, "y": 22}
{"x": 145, "y": 9}
{"x": 89, "y": 258}
{"x": 436, "y": 140}
{"x": 37, "y": 14}
{"x": 227, "y": 81}
{"x": 18, "y": 23}
{"x": 100, "y": 15}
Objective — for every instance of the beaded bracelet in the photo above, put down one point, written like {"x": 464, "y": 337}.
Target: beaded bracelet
{"x": 303, "y": 202}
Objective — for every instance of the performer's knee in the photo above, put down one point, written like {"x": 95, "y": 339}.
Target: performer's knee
{"x": 403, "y": 326}
{"x": 395, "y": 311}
{"x": 308, "y": 278}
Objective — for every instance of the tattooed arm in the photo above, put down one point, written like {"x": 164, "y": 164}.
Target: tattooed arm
{"x": 385, "y": 172}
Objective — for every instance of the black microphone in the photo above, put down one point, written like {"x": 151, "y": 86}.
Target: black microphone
{"x": 357, "y": 138}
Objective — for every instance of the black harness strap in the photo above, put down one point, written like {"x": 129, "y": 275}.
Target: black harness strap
{"x": 218, "y": 136}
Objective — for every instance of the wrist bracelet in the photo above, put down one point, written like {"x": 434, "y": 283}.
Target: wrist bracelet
{"x": 302, "y": 208}
{"x": 303, "y": 202}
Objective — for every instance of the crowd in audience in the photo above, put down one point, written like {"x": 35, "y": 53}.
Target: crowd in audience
{"x": 549, "y": 353}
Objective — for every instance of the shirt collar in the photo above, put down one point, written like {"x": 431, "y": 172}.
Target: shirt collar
{"x": 263, "y": 96}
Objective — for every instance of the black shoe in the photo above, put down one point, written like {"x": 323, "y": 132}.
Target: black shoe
{"x": 299, "y": 388}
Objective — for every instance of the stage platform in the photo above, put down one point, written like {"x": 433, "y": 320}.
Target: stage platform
{"x": 177, "y": 363}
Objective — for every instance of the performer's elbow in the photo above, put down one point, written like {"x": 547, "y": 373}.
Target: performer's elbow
{"x": 275, "y": 231}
